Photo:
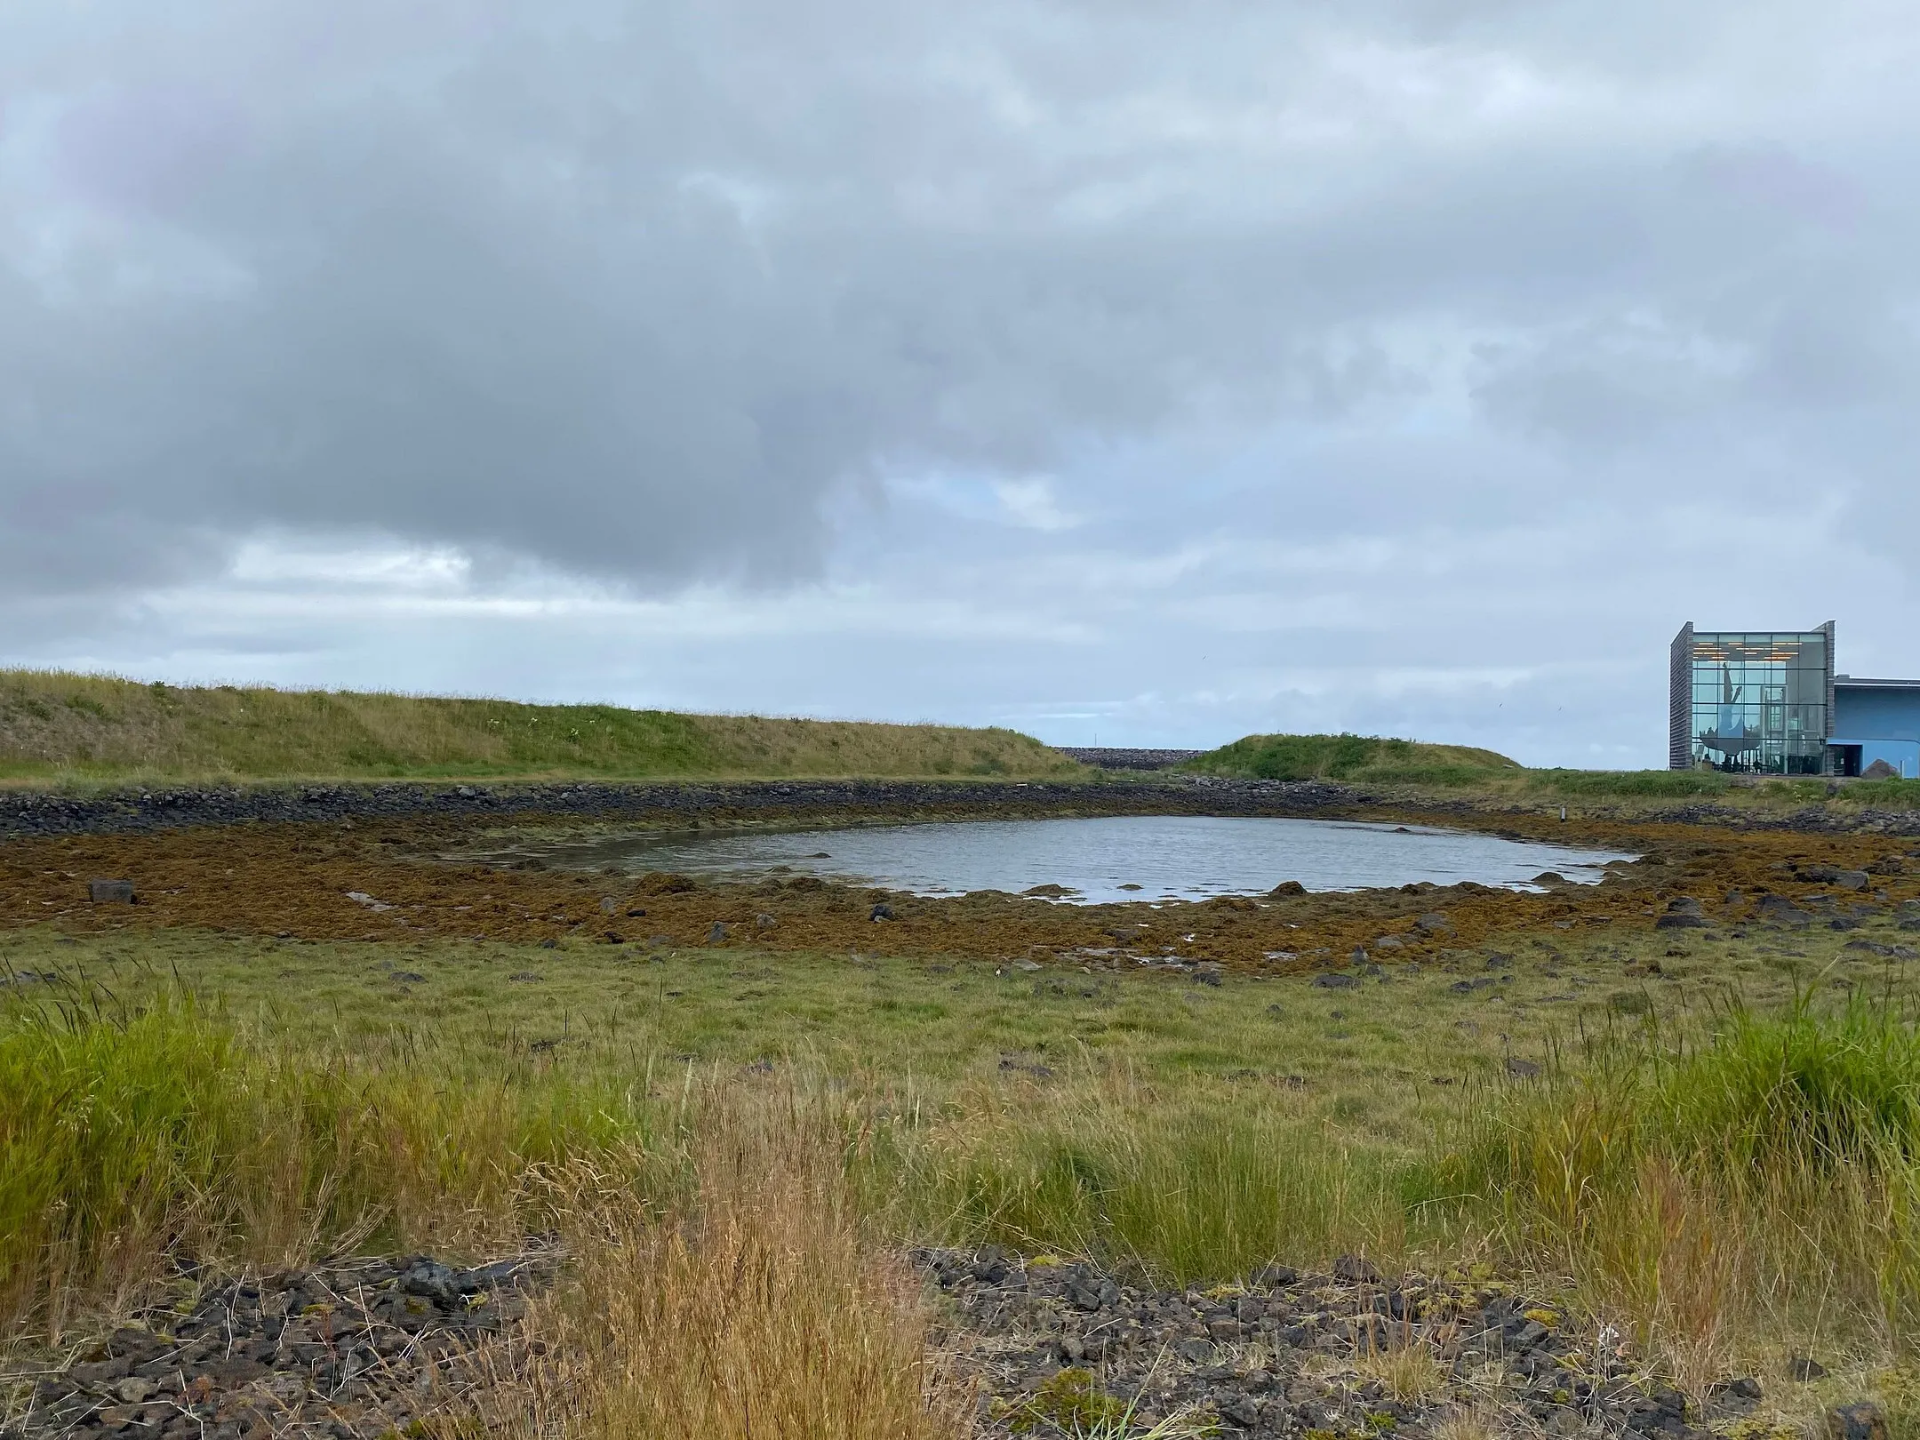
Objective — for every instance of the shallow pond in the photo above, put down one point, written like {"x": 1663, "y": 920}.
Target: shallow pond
{"x": 1132, "y": 857}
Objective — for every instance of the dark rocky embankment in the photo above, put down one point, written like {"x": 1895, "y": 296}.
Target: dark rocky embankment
{"x": 1060, "y": 1348}
{"x": 349, "y": 1351}
{"x": 1055, "y": 1347}
{"x": 1109, "y": 757}
{"x": 31, "y": 813}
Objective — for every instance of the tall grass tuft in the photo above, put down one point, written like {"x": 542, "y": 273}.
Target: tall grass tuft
{"x": 1708, "y": 1191}
{"x": 166, "y": 1134}
{"x": 760, "y": 1306}
{"x": 1172, "y": 1188}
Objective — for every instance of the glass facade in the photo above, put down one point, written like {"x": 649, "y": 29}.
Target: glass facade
{"x": 1759, "y": 702}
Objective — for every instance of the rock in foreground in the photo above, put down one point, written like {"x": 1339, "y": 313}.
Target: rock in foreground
{"x": 351, "y": 1352}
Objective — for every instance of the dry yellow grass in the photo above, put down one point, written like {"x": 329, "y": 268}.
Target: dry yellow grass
{"x": 760, "y": 1308}
{"x": 1484, "y": 1421}
{"x": 56, "y": 726}
{"x": 721, "y": 1283}
{"x": 124, "y": 1138}
{"x": 1410, "y": 1371}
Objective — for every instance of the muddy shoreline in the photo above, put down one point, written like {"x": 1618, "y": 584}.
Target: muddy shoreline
{"x": 354, "y": 881}
{"x": 370, "y": 863}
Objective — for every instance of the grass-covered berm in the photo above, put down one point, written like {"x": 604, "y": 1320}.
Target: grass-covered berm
{"x": 1366, "y": 758}
{"x": 63, "y": 728}
{"x": 1677, "y": 1112}
{"x": 1464, "y": 776}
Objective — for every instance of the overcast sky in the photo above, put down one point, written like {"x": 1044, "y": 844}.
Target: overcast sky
{"x": 1136, "y": 372}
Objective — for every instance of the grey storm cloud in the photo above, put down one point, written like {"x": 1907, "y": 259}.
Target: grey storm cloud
{"x": 637, "y": 290}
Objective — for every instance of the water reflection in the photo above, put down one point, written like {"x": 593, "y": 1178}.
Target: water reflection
{"x": 1132, "y": 857}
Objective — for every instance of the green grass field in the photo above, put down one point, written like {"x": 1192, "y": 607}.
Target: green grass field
{"x": 283, "y": 1093}
{"x": 58, "y": 727}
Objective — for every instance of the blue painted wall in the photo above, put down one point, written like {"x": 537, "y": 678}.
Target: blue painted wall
{"x": 1885, "y": 724}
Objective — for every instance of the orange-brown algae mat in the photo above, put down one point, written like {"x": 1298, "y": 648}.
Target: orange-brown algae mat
{"x": 380, "y": 882}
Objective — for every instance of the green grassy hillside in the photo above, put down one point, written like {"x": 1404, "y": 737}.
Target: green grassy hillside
{"x": 1484, "y": 775}
{"x": 1353, "y": 757}
{"x": 60, "y": 726}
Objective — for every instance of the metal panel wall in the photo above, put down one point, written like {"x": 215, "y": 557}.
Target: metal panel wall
{"x": 1826, "y": 762}
{"x": 1680, "y": 699}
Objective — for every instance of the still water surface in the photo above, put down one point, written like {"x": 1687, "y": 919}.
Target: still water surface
{"x": 1132, "y": 857}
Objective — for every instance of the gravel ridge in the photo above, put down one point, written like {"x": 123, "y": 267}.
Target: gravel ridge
{"x": 31, "y": 813}
{"x": 351, "y": 1351}
{"x": 379, "y": 1348}
{"x": 1121, "y": 757}
{"x": 1056, "y": 1346}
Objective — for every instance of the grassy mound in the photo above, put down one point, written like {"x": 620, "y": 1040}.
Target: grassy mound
{"x": 55, "y": 726}
{"x": 1352, "y": 757}
{"x": 1369, "y": 759}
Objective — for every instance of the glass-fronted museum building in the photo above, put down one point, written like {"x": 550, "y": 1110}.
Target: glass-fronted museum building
{"x": 1759, "y": 702}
